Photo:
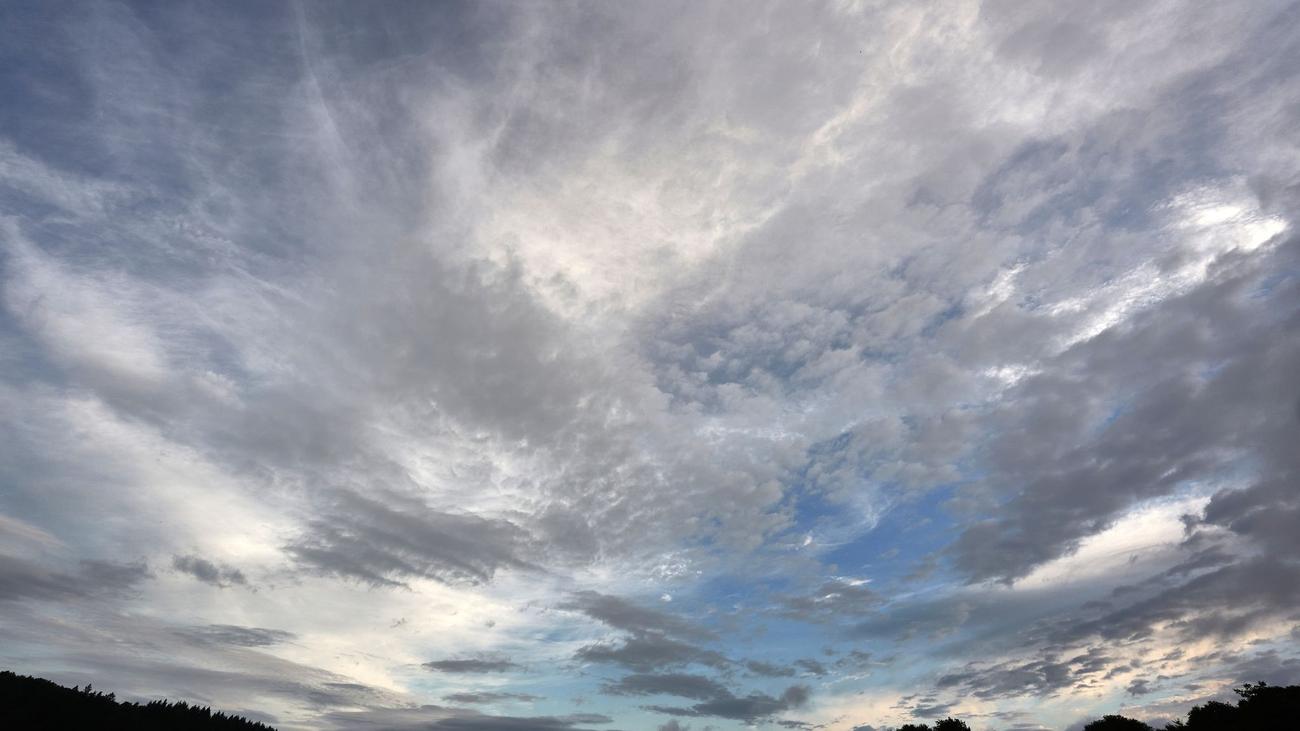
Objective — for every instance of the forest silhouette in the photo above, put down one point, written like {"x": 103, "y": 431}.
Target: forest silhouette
{"x": 1259, "y": 707}
{"x": 36, "y": 704}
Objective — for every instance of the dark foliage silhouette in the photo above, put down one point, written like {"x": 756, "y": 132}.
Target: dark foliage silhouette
{"x": 35, "y": 704}
{"x": 947, "y": 724}
{"x": 1215, "y": 714}
{"x": 1262, "y": 707}
{"x": 1116, "y": 723}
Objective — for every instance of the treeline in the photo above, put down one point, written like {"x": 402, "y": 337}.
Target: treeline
{"x": 36, "y": 704}
{"x": 1260, "y": 707}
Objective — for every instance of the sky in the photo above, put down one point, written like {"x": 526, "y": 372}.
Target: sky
{"x": 651, "y": 366}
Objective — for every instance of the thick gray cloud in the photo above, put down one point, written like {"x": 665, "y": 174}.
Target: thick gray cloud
{"x": 24, "y": 579}
{"x": 1177, "y": 425}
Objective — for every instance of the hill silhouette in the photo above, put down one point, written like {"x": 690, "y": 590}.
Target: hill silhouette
{"x": 36, "y": 704}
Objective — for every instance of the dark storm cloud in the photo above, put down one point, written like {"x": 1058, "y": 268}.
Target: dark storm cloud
{"x": 683, "y": 685}
{"x": 482, "y": 664}
{"x": 382, "y": 544}
{"x": 24, "y": 579}
{"x": 209, "y": 572}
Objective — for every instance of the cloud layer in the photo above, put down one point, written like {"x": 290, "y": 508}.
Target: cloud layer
{"x": 488, "y": 366}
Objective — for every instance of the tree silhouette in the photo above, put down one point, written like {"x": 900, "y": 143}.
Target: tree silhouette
{"x": 951, "y": 724}
{"x": 35, "y": 704}
{"x": 1261, "y": 707}
{"x": 1116, "y": 723}
{"x": 1211, "y": 715}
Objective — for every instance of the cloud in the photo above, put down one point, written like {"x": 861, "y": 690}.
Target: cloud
{"x": 22, "y": 579}
{"x": 439, "y": 313}
{"x": 654, "y": 640}
{"x": 1139, "y": 686}
{"x": 453, "y": 719}
{"x": 622, "y": 614}
{"x": 477, "y": 697}
{"x": 678, "y": 684}
{"x": 228, "y": 634}
{"x": 472, "y": 665}
{"x": 209, "y": 572}
{"x": 1043, "y": 676}
{"x": 1073, "y": 490}
{"x": 749, "y": 708}
{"x": 769, "y": 670}
{"x": 833, "y": 601}
{"x": 377, "y": 544}
{"x": 930, "y": 618}
{"x": 650, "y": 652}
{"x": 811, "y": 665}
{"x": 1220, "y": 603}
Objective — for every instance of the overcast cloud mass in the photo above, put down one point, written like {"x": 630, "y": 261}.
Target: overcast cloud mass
{"x": 651, "y": 366}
